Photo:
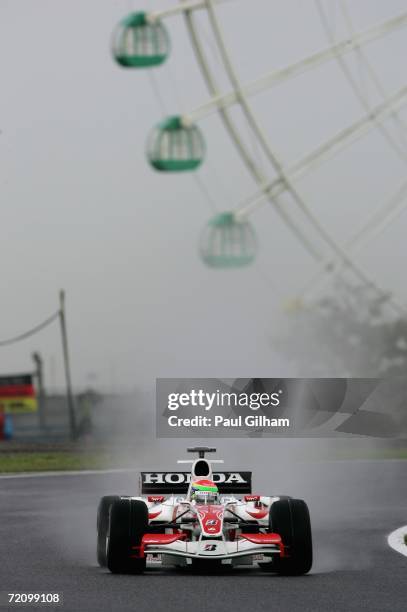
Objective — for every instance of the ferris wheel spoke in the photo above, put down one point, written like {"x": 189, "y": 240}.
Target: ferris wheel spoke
{"x": 356, "y": 88}
{"x": 328, "y": 149}
{"x": 355, "y": 131}
{"x": 400, "y": 124}
{"x": 276, "y": 77}
{"x": 372, "y": 228}
{"x": 381, "y": 219}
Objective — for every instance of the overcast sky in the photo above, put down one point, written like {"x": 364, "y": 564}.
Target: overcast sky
{"x": 82, "y": 210}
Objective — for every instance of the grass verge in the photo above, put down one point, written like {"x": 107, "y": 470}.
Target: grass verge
{"x": 49, "y": 461}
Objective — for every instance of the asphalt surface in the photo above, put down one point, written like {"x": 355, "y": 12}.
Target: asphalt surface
{"x": 47, "y": 540}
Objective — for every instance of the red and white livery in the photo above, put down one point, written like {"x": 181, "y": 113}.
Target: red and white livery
{"x": 167, "y": 525}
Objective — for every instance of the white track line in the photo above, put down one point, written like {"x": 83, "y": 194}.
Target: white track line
{"x": 396, "y": 540}
{"x": 65, "y": 473}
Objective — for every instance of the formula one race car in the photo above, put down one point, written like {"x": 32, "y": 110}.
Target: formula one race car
{"x": 204, "y": 519}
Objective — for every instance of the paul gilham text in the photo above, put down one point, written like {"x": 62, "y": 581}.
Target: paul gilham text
{"x": 251, "y": 420}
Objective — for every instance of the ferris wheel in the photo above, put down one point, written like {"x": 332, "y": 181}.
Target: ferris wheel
{"x": 142, "y": 40}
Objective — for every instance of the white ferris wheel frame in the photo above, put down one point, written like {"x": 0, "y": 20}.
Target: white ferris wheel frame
{"x": 271, "y": 190}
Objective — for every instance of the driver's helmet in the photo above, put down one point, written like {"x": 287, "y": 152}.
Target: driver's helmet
{"x": 204, "y": 492}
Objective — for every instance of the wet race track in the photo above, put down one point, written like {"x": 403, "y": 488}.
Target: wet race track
{"x": 48, "y": 534}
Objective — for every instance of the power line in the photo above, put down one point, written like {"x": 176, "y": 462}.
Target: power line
{"x": 32, "y": 331}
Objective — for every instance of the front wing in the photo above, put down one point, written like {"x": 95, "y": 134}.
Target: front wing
{"x": 177, "y": 545}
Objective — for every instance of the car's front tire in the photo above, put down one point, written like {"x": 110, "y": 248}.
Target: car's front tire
{"x": 290, "y": 519}
{"x": 127, "y": 525}
{"x": 103, "y": 526}
{"x": 268, "y": 566}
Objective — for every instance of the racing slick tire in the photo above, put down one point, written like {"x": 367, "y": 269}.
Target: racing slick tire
{"x": 103, "y": 526}
{"x": 128, "y": 522}
{"x": 290, "y": 519}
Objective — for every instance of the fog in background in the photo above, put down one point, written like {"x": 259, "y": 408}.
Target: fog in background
{"x": 81, "y": 209}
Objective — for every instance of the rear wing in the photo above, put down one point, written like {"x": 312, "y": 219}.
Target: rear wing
{"x": 165, "y": 483}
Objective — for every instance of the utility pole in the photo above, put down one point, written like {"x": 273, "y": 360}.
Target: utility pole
{"x": 69, "y": 394}
{"x": 36, "y": 357}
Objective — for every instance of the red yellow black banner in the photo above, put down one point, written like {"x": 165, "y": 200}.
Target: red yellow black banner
{"x": 17, "y": 394}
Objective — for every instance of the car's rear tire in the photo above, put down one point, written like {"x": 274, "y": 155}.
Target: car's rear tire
{"x": 290, "y": 519}
{"x": 103, "y": 526}
{"x": 127, "y": 524}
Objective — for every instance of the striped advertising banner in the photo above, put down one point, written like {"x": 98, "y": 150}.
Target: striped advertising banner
{"x": 17, "y": 394}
